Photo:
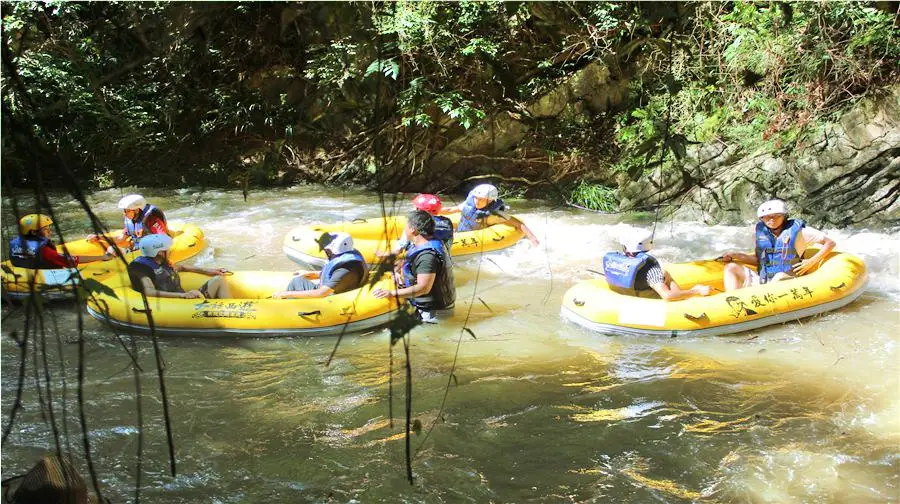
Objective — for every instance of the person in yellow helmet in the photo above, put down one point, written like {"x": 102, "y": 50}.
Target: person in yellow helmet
{"x": 33, "y": 249}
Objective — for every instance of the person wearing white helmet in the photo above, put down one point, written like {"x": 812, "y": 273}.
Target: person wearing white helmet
{"x": 32, "y": 247}
{"x": 635, "y": 269}
{"x": 141, "y": 219}
{"x": 780, "y": 243}
{"x": 345, "y": 270}
{"x": 482, "y": 202}
{"x": 426, "y": 275}
{"x": 155, "y": 276}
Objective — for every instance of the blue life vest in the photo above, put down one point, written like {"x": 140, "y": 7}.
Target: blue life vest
{"x": 625, "y": 272}
{"x": 346, "y": 258}
{"x": 443, "y": 230}
{"x": 469, "y": 216}
{"x": 136, "y": 229}
{"x": 445, "y": 283}
{"x": 164, "y": 277}
{"x": 777, "y": 254}
{"x": 25, "y": 252}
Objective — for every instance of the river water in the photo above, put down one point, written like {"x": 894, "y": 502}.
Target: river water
{"x": 536, "y": 410}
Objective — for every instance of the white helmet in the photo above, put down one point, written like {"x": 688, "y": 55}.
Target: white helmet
{"x": 770, "y": 207}
{"x": 132, "y": 202}
{"x": 150, "y": 245}
{"x": 484, "y": 191}
{"x": 639, "y": 241}
{"x": 340, "y": 243}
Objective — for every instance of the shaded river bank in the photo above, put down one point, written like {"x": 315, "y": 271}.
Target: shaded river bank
{"x": 537, "y": 410}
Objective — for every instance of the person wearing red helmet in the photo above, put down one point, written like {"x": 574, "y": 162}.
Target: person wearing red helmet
{"x": 443, "y": 227}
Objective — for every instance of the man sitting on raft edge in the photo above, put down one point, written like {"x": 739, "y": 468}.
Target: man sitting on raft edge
{"x": 481, "y": 203}
{"x": 345, "y": 271}
{"x": 780, "y": 244}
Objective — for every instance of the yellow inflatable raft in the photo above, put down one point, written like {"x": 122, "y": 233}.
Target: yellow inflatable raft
{"x": 301, "y": 244}
{"x": 252, "y": 312}
{"x": 59, "y": 283}
{"x": 593, "y": 304}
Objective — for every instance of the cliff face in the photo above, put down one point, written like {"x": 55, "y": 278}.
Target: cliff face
{"x": 847, "y": 174}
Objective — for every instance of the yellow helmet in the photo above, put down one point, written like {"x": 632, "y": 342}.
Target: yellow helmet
{"x": 33, "y": 222}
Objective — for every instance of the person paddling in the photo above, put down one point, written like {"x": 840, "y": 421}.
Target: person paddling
{"x": 780, "y": 245}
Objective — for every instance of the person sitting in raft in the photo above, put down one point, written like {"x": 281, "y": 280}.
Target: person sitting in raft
{"x": 141, "y": 219}
{"x": 635, "y": 269}
{"x": 153, "y": 275}
{"x": 481, "y": 203}
{"x": 443, "y": 227}
{"x": 427, "y": 278}
{"x": 345, "y": 270}
{"x": 33, "y": 249}
{"x": 780, "y": 244}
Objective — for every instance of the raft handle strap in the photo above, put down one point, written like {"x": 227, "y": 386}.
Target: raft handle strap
{"x": 138, "y": 310}
{"x": 577, "y": 302}
{"x": 307, "y": 313}
{"x": 696, "y": 318}
{"x": 359, "y": 221}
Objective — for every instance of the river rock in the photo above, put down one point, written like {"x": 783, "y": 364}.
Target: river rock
{"x": 847, "y": 174}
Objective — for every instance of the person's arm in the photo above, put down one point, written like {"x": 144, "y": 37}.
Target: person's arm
{"x": 152, "y": 291}
{"x": 423, "y": 285}
{"x": 451, "y": 210}
{"x": 740, "y": 257}
{"x": 202, "y": 271}
{"x": 827, "y": 245}
{"x": 51, "y": 256}
{"x": 322, "y": 291}
{"x": 516, "y": 223}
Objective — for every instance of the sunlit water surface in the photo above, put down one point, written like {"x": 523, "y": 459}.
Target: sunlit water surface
{"x": 536, "y": 411}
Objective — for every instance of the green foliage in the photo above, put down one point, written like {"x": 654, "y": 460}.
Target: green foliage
{"x": 229, "y": 93}
{"x": 594, "y": 197}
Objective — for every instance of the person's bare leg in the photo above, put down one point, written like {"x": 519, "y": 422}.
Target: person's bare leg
{"x": 734, "y": 276}
{"x": 218, "y": 288}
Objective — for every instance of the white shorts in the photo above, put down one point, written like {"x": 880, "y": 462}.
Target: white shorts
{"x": 751, "y": 277}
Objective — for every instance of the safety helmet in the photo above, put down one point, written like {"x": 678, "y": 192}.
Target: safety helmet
{"x": 340, "y": 243}
{"x": 484, "y": 191}
{"x": 770, "y": 207}
{"x": 33, "y": 222}
{"x": 639, "y": 241}
{"x": 132, "y": 202}
{"x": 150, "y": 245}
{"x": 428, "y": 202}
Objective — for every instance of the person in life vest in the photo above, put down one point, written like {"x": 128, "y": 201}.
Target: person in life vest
{"x": 481, "y": 203}
{"x": 443, "y": 227}
{"x": 141, "y": 219}
{"x": 427, "y": 279}
{"x": 780, "y": 244}
{"x": 345, "y": 270}
{"x": 153, "y": 275}
{"x": 33, "y": 249}
{"x": 637, "y": 270}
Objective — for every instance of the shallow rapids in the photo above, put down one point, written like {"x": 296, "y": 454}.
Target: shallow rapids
{"x": 536, "y": 410}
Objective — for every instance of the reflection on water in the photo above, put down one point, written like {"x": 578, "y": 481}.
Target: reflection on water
{"x": 537, "y": 410}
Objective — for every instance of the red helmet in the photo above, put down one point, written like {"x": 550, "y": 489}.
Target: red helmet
{"x": 428, "y": 202}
